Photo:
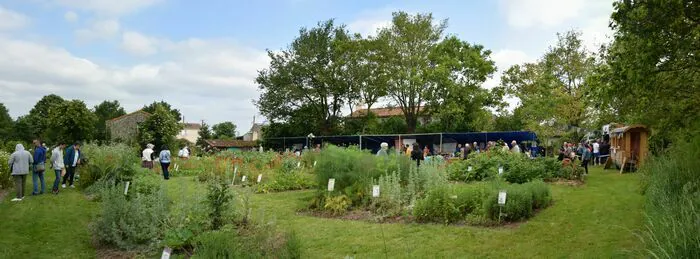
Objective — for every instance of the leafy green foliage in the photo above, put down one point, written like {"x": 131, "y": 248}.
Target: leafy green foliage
{"x": 105, "y": 111}
{"x": 5, "y": 173}
{"x": 259, "y": 242}
{"x": 38, "y": 122}
{"x": 130, "y": 223}
{"x": 337, "y": 205}
{"x": 159, "y": 129}
{"x": 672, "y": 190}
{"x": 218, "y": 198}
{"x": 6, "y": 124}
{"x": 70, "y": 121}
{"x": 224, "y": 130}
{"x": 152, "y": 108}
{"x": 108, "y": 164}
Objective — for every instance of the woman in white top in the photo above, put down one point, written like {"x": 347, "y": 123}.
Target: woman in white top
{"x": 58, "y": 165}
{"x": 147, "y": 157}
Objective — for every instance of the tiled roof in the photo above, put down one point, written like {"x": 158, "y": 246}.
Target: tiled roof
{"x": 192, "y": 125}
{"x": 130, "y": 114}
{"x": 381, "y": 112}
{"x": 220, "y": 143}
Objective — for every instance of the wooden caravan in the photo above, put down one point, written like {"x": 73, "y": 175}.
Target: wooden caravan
{"x": 629, "y": 146}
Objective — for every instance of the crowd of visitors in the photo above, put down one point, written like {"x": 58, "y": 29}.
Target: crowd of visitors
{"x": 587, "y": 152}
{"x": 22, "y": 162}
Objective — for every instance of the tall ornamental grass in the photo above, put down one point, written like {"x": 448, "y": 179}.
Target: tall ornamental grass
{"x": 672, "y": 190}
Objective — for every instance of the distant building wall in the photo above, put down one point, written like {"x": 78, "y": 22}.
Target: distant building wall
{"x": 125, "y": 128}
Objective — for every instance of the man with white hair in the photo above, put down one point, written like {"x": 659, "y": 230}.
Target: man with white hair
{"x": 382, "y": 151}
{"x": 515, "y": 148}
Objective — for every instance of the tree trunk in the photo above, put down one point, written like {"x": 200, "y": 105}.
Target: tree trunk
{"x": 411, "y": 123}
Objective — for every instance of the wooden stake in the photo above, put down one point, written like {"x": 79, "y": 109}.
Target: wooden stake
{"x": 622, "y": 168}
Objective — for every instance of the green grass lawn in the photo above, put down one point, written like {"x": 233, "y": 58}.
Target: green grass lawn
{"x": 596, "y": 220}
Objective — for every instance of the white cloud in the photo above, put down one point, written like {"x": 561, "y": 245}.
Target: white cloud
{"x": 546, "y": 13}
{"x": 11, "y": 20}
{"x": 99, "y": 30}
{"x": 368, "y": 22}
{"x": 596, "y": 32}
{"x": 110, "y": 8}
{"x": 504, "y": 59}
{"x": 206, "y": 79}
{"x": 138, "y": 44}
{"x": 70, "y": 16}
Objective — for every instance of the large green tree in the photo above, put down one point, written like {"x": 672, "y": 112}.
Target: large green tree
{"x": 406, "y": 46}
{"x": 36, "y": 123}
{"x": 6, "y": 124}
{"x": 204, "y": 134}
{"x": 151, "y": 108}
{"x": 159, "y": 129}
{"x": 70, "y": 121}
{"x": 307, "y": 79}
{"x": 654, "y": 75}
{"x": 224, "y": 130}
{"x": 553, "y": 90}
{"x": 105, "y": 111}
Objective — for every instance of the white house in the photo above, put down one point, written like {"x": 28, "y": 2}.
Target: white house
{"x": 190, "y": 132}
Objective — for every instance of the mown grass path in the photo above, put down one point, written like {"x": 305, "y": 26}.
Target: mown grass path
{"x": 596, "y": 220}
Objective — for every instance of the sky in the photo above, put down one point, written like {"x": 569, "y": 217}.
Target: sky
{"x": 203, "y": 56}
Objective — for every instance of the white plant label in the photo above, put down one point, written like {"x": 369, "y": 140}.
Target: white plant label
{"x": 375, "y": 191}
{"x": 298, "y": 164}
{"x": 259, "y": 178}
{"x": 314, "y": 163}
{"x": 235, "y": 170}
{"x": 126, "y": 189}
{"x": 331, "y": 184}
{"x": 469, "y": 169}
{"x": 177, "y": 167}
{"x": 243, "y": 179}
{"x": 166, "y": 253}
{"x": 500, "y": 170}
{"x": 502, "y": 198}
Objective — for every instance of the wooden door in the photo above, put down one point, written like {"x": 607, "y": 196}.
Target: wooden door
{"x": 636, "y": 141}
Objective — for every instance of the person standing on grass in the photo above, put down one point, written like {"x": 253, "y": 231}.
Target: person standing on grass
{"x": 58, "y": 165}
{"x": 39, "y": 166}
{"x": 71, "y": 161}
{"x": 383, "y": 150}
{"x": 586, "y": 155}
{"x": 164, "y": 158}
{"x": 19, "y": 163}
{"x": 416, "y": 154}
{"x": 596, "y": 153}
{"x": 147, "y": 157}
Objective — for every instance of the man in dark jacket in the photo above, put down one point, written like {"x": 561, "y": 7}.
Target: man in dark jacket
{"x": 71, "y": 160}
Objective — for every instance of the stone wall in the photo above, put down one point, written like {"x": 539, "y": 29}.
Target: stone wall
{"x": 126, "y": 127}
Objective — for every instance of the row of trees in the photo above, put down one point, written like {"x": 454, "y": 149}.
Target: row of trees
{"x": 412, "y": 64}
{"x": 648, "y": 74}
{"x": 54, "y": 119}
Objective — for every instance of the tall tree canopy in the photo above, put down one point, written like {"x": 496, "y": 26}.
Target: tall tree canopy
{"x": 105, "y": 111}
{"x": 307, "y": 79}
{"x": 151, "y": 108}
{"x": 6, "y": 124}
{"x": 37, "y": 121}
{"x": 70, "y": 121}
{"x": 553, "y": 90}
{"x": 204, "y": 134}
{"x": 224, "y": 130}
{"x": 159, "y": 129}
{"x": 654, "y": 65}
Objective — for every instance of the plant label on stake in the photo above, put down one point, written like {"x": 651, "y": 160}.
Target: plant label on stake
{"x": 502, "y": 198}
{"x": 315, "y": 163}
{"x": 235, "y": 172}
{"x": 166, "y": 253}
{"x": 375, "y": 191}
{"x": 126, "y": 189}
{"x": 469, "y": 169}
{"x": 298, "y": 164}
{"x": 331, "y": 184}
{"x": 500, "y": 170}
{"x": 243, "y": 179}
{"x": 259, "y": 178}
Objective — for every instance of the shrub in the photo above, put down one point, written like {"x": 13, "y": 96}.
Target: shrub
{"x": 218, "y": 198}
{"x": 115, "y": 163}
{"x": 5, "y": 174}
{"x": 672, "y": 191}
{"x": 261, "y": 242}
{"x": 517, "y": 167}
{"x": 541, "y": 194}
{"x": 518, "y": 204}
{"x": 337, "y": 205}
{"x": 130, "y": 223}
{"x": 437, "y": 206}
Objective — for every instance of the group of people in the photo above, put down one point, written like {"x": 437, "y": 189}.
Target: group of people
{"x": 585, "y": 151}
{"x": 164, "y": 158}
{"x": 64, "y": 162}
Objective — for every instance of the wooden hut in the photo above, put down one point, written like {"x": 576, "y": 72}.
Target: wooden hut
{"x": 629, "y": 146}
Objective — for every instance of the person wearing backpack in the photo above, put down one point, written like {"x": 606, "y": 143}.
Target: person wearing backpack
{"x": 39, "y": 166}
{"x": 71, "y": 161}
